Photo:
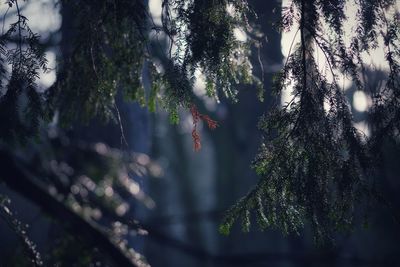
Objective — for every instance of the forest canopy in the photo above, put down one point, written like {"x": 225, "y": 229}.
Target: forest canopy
{"x": 315, "y": 167}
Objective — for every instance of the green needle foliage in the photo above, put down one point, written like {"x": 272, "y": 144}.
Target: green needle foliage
{"x": 109, "y": 42}
{"x": 315, "y": 167}
{"x": 201, "y": 37}
{"x": 21, "y": 106}
{"x": 106, "y": 46}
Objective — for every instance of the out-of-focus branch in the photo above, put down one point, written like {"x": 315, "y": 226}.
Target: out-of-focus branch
{"x": 21, "y": 182}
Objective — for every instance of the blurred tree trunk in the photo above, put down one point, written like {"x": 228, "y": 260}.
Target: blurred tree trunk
{"x": 208, "y": 182}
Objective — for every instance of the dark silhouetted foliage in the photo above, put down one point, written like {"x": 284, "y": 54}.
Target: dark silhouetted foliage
{"x": 315, "y": 167}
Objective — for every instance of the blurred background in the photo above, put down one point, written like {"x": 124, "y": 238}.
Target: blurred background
{"x": 191, "y": 190}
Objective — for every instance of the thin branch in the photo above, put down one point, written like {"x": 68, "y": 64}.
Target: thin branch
{"x": 327, "y": 60}
{"x": 121, "y": 128}
{"x": 290, "y": 48}
{"x": 19, "y": 34}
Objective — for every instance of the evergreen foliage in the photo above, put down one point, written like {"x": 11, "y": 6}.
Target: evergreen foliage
{"x": 112, "y": 58}
{"x": 105, "y": 49}
{"x": 314, "y": 165}
{"x": 21, "y": 106}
